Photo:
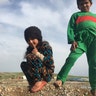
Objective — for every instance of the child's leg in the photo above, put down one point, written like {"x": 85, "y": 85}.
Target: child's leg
{"x": 47, "y": 72}
{"x": 24, "y": 67}
{"x": 73, "y": 56}
{"x": 32, "y": 69}
{"x": 91, "y": 56}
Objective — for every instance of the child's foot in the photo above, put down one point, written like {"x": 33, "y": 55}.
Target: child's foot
{"x": 58, "y": 83}
{"x": 93, "y": 92}
{"x": 38, "y": 86}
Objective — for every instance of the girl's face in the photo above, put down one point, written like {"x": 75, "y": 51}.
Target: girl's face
{"x": 33, "y": 42}
{"x": 84, "y": 5}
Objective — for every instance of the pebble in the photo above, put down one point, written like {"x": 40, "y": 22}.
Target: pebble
{"x": 14, "y": 87}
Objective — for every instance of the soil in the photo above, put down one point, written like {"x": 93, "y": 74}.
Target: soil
{"x": 19, "y": 87}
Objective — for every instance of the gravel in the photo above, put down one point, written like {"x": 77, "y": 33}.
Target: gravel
{"x": 19, "y": 87}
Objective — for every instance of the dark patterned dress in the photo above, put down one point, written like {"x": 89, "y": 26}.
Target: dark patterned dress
{"x": 35, "y": 69}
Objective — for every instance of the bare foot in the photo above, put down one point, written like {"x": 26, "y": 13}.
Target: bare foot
{"x": 38, "y": 86}
{"x": 93, "y": 92}
{"x": 58, "y": 83}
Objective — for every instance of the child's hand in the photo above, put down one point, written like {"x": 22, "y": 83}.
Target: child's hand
{"x": 73, "y": 46}
{"x": 34, "y": 50}
{"x": 31, "y": 44}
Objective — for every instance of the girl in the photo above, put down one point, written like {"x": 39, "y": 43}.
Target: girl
{"x": 82, "y": 35}
{"x": 39, "y": 65}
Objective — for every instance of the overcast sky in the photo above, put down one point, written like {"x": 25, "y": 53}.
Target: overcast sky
{"x": 51, "y": 16}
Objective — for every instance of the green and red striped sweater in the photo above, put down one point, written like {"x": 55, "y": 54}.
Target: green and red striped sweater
{"x": 80, "y": 21}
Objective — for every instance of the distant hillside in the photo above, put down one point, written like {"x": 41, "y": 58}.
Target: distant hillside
{"x": 14, "y": 75}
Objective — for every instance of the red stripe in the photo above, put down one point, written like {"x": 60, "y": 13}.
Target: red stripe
{"x": 85, "y": 18}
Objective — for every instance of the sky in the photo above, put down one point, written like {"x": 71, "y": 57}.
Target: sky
{"x": 52, "y": 17}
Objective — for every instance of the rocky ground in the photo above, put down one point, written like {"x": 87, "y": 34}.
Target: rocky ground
{"x": 19, "y": 87}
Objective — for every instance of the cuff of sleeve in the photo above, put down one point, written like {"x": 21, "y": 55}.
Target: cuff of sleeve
{"x": 41, "y": 56}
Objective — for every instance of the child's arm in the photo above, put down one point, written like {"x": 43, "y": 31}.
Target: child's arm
{"x": 71, "y": 29}
{"x": 48, "y": 57}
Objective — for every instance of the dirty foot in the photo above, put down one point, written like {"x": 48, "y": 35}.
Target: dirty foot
{"x": 58, "y": 83}
{"x": 38, "y": 86}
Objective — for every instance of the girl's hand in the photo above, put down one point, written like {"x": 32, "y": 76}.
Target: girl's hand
{"x": 32, "y": 44}
{"x": 35, "y": 50}
{"x": 73, "y": 46}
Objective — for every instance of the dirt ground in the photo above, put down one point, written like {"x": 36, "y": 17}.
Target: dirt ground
{"x": 19, "y": 87}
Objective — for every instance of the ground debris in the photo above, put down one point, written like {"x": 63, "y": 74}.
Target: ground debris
{"x": 19, "y": 87}
{"x": 16, "y": 87}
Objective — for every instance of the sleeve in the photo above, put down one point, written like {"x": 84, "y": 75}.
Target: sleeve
{"x": 71, "y": 29}
{"x": 41, "y": 56}
{"x": 48, "y": 57}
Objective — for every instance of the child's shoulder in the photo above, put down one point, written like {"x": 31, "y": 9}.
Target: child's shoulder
{"x": 76, "y": 14}
{"x": 93, "y": 14}
{"x": 45, "y": 44}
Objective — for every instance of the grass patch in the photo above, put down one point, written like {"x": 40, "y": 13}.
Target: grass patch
{"x": 12, "y": 75}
